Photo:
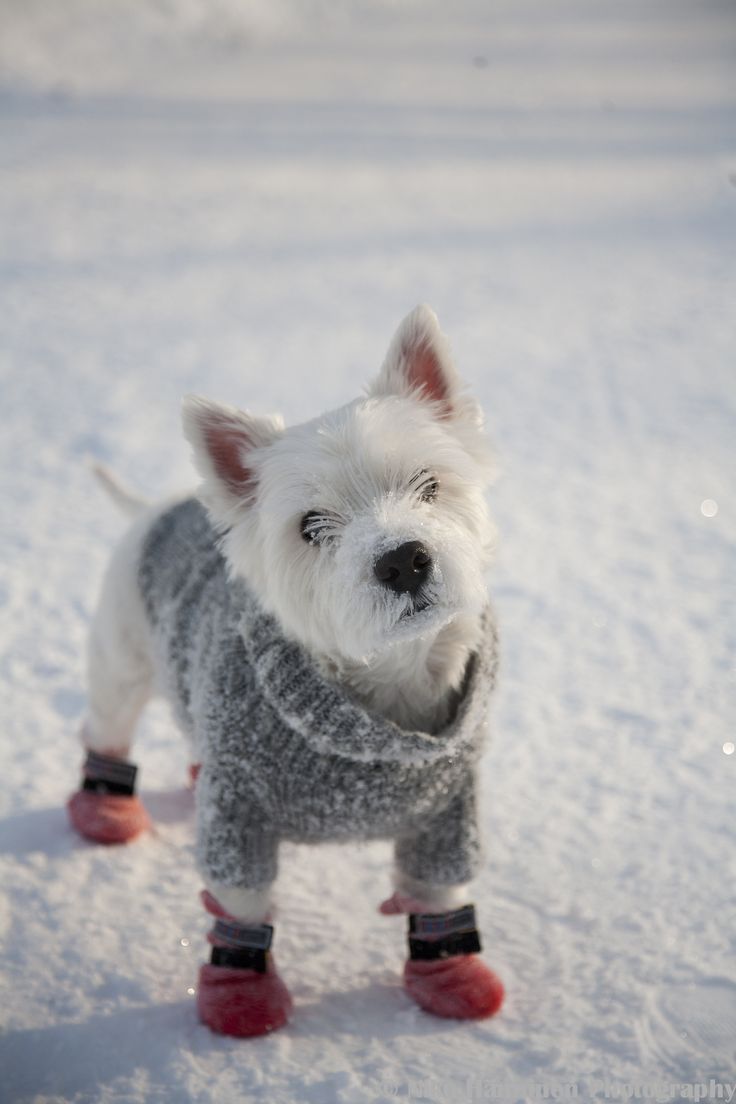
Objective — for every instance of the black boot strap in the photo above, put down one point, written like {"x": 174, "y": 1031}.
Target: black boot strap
{"x": 240, "y": 946}
{"x": 105, "y": 775}
{"x": 449, "y": 945}
{"x": 241, "y": 958}
{"x": 443, "y": 934}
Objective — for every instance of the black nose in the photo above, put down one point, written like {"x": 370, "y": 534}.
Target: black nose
{"x": 405, "y": 568}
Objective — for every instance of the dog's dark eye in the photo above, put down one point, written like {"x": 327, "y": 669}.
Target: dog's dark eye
{"x": 428, "y": 491}
{"x": 425, "y": 485}
{"x": 315, "y": 527}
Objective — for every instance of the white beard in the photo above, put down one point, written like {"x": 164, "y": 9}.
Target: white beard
{"x": 414, "y": 682}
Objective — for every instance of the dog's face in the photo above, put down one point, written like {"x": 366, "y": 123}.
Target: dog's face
{"x": 367, "y": 526}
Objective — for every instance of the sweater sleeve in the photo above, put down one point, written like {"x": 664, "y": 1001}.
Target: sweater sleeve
{"x": 237, "y": 846}
{"x": 445, "y": 850}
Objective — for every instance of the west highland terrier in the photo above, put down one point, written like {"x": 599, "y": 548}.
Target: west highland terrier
{"x": 318, "y": 618}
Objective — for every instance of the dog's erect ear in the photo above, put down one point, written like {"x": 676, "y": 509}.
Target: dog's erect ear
{"x": 418, "y": 363}
{"x": 223, "y": 440}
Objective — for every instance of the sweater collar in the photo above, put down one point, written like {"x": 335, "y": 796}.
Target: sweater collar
{"x": 332, "y": 723}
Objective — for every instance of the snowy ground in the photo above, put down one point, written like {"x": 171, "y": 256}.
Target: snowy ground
{"x": 242, "y": 199}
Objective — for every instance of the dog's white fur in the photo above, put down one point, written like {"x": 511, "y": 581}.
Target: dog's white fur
{"x": 361, "y": 469}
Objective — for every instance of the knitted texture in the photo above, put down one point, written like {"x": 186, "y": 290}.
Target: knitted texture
{"x": 287, "y": 754}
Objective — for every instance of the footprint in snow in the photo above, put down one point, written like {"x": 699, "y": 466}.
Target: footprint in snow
{"x": 690, "y": 1030}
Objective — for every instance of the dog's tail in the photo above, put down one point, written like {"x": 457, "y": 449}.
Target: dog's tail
{"x": 129, "y": 503}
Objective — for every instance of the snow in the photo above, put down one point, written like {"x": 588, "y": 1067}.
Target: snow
{"x": 242, "y": 200}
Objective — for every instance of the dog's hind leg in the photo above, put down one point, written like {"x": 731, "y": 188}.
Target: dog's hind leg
{"x": 120, "y": 681}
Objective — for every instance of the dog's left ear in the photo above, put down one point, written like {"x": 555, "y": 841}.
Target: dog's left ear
{"x": 418, "y": 363}
{"x": 225, "y": 444}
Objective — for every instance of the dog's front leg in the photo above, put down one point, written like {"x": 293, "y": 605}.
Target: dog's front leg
{"x": 240, "y": 991}
{"x": 434, "y": 864}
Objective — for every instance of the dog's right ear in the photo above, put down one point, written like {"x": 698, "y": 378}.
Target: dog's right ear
{"x": 225, "y": 442}
{"x": 418, "y": 363}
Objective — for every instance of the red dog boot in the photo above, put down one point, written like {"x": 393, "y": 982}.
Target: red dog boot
{"x": 444, "y": 974}
{"x": 240, "y": 992}
{"x": 106, "y": 808}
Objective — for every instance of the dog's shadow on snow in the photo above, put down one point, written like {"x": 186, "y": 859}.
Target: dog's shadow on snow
{"x": 374, "y": 1009}
{"x": 68, "y": 1060}
{"x": 72, "y": 1059}
{"x": 49, "y": 831}
{"x": 169, "y": 806}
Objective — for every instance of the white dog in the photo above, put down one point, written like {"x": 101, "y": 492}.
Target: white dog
{"x": 321, "y": 627}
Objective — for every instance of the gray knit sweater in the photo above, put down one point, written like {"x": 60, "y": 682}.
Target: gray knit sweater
{"x": 285, "y": 753}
